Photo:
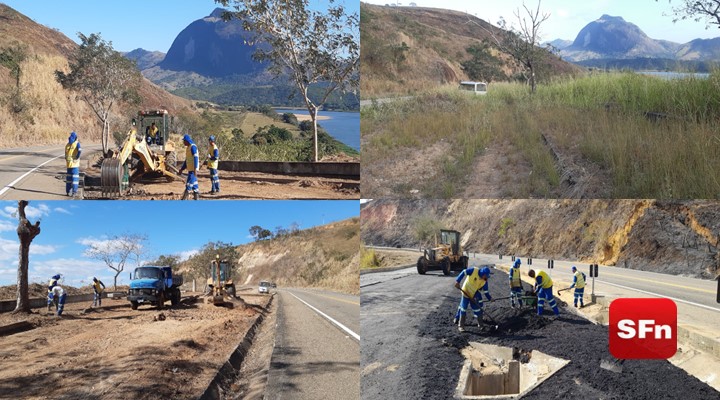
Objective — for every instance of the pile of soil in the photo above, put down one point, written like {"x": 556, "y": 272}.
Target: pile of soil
{"x": 39, "y": 290}
{"x": 570, "y": 337}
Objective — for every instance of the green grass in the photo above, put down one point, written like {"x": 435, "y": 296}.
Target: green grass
{"x": 598, "y": 118}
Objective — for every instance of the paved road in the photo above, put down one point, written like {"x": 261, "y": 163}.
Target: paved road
{"x": 691, "y": 291}
{"x": 313, "y": 357}
{"x": 393, "y": 305}
{"x": 36, "y": 173}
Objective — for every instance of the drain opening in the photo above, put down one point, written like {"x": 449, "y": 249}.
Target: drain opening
{"x": 496, "y": 372}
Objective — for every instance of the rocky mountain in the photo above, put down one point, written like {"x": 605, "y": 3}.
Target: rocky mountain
{"x": 613, "y": 38}
{"x": 213, "y": 47}
{"x": 145, "y": 59}
{"x": 45, "y": 112}
{"x": 560, "y": 44}
{"x": 675, "y": 237}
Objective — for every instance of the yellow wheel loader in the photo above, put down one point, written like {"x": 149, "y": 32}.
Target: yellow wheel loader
{"x": 140, "y": 156}
{"x": 447, "y": 254}
{"x": 220, "y": 283}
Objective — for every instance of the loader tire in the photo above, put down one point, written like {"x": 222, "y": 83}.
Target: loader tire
{"x": 464, "y": 262}
{"x": 446, "y": 266}
{"x": 231, "y": 290}
{"x": 421, "y": 266}
{"x": 171, "y": 161}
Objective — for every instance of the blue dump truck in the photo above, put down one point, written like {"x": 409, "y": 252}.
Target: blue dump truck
{"x": 154, "y": 285}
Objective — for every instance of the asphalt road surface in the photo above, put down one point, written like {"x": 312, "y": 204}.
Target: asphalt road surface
{"x": 315, "y": 358}
{"x": 36, "y": 172}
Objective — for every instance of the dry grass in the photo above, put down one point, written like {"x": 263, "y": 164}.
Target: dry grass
{"x": 598, "y": 121}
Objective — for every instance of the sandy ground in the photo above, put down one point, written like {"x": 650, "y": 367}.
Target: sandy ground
{"x": 246, "y": 185}
{"x": 116, "y": 352}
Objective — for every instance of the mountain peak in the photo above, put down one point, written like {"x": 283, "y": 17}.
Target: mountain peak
{"x": 610, "y": 18}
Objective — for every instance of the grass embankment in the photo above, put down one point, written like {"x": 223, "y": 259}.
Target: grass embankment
{"x": 600, "y": 122}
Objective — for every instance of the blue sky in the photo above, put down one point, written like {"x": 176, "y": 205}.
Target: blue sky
{"x": 568, "y": 17}
{"x": 129, "y": 24}
{"x": 172, "y": 227}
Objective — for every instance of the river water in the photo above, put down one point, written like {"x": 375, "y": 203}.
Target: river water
{"x": 343, "y": 126}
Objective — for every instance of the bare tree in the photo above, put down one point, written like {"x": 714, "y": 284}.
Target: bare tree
{"x": 101, "y": 77}
{"x": 708, "y": 10}
{"x": 26, "y": 233}
{"x": 116, "y": 251}
{"x": 522, "y": 43}
{"x": 321, "y": 49}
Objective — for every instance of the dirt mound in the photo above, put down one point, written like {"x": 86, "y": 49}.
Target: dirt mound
{"x": 39, "y": 290}
{"x": 570, "y": 337}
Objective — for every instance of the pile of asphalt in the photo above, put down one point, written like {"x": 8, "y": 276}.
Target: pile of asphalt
{"x": 570, "y": 337}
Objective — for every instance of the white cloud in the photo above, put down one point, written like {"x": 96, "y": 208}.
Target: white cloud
{"x": 9, "y": 212}
{"x": 62, "y": 210}
{"x": 9, "y": 250}
{"x": 31, "y": 211}
{"x": 185, "y": 255}
{"x": 102, "y": 243}
{"x": 7, "y": 226}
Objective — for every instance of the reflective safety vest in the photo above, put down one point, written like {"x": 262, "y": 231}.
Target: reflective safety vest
{"x": 71, "y": 157}
{"x": 473, "y": 283}
{"x": 190, "y": 158}
{"x": 546, "y": 281}
{"x": 98, "y": 287}
{"x": 51, "y": 284}
{"x": 579, "y": 280}
{"x": 211, "y": 153}
{"x": 515, "y": 277}
{"x": 152, "y": 131}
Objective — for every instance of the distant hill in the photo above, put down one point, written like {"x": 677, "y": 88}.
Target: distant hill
{"x": 406, "y": 49}
{"x": 560, "y": 43}
{"x": 50, "y": 112}
{"x": 614, "y": 38}
{"x": 145, "y": 59}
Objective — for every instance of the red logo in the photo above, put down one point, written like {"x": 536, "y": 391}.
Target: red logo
{"x": 643, "y": 328}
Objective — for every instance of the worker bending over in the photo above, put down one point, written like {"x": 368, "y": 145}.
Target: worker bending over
{"x": 516, "y": 289}
{"x": 98, "y": 288}
{"x": 58, "y": 293}
{"x": 579, "y": 285}
{"x": 474, "y": 286}
{"x": 543, "y": 288}
{"x": 51, "y": 284}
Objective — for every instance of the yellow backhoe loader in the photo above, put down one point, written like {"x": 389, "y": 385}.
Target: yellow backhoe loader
{"x": 220, "y": 283}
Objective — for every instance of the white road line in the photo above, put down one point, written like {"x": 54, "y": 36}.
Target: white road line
{"x": 661, "y": 295}
{"x": 339, "y": 325}
{"x": 11, "y": 184}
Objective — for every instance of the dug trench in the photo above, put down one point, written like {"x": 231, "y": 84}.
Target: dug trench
{"x": 570, "y": 337}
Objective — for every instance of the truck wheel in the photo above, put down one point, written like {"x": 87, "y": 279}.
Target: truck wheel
{"x": 161, "y": 301}
{"x": 175, "y": 297}
{"x": 134, "y": 305}
{"x": 446, "y": 267}
{"x": 464, "y": 261}
{"x": 421, "y": 266}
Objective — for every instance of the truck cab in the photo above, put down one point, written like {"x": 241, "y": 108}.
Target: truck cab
{"x": 474, "y": 87}
{"x": 154, "y": 285}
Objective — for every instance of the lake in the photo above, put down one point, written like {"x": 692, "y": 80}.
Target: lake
{"x": 343, "y": 126}
{"x": 675, "y": 75}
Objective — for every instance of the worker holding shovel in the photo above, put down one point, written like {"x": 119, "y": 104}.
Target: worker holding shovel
{"x": 579, "y": 285}
{"x": 543, "y": 288}
{"x": 472, "y": 289}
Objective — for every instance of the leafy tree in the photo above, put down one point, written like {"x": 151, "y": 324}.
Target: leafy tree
{"x": 255, "y": 231}
{"x": 483, "y": 65}
{"x": 198, "y": 266}
{"x": 425, "y": 228}
{"x": 698, "y": 10}
{"x": 101, "y": 77}
{"x": 312, "y": 46}
{"x": 116, "y": 251}
{"x": 522, "y": 44}
{"x": 171, "y": 261}
{"x": 264, "y": 234}
{"x": 290, "y": 118}
{"x": 26, "y": 233}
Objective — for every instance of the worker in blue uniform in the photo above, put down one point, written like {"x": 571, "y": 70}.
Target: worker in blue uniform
{"x": 192, "y": 163}
{"x": 516, "y": 289}
{"x": 51, "y": 284}
{"x": 212, "y": 164}
{"x": 579, "y": 285}
{"x": 475, "y": 286}
{"x": 72, "y": 162}
{"x": 58, "y": 293}
{"x": 543, "y": 288}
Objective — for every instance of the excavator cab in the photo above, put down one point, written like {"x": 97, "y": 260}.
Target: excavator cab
{"x": 220, "y": 282}
{"x": 155, "y": 127}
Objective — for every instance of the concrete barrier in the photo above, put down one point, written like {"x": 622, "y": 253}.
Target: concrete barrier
{"x": 9, "y": 305}
{"x": 335, "y": 169}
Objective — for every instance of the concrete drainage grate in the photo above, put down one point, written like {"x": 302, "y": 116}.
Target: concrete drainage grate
{"x": 496, "y": 372}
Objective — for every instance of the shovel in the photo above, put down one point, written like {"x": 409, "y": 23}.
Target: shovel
{"x": 615, "y": 366}
{"x": 495, "y": 327}
{"x": 562, "y": 290}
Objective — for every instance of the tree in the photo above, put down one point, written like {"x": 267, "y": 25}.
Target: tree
{"x": 116, "y": 251}
{"x": 265, "y": 234}
{"x": 698, "y": 10}
{"x": 522, "y": 44}
{"x": 316, "y": 48}
{"x": 101, "y": 77}
{"x": 198, "y": 266}
{"x": 12, "y": 57}
{"x": 26, "y": 233}
{"x": 171, "y": 261}
{"x": 483, "y": 65}
{"x": 255, "y": 231}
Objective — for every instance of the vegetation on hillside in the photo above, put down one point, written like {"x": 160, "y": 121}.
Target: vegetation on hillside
{"x": 632, "y": 135}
